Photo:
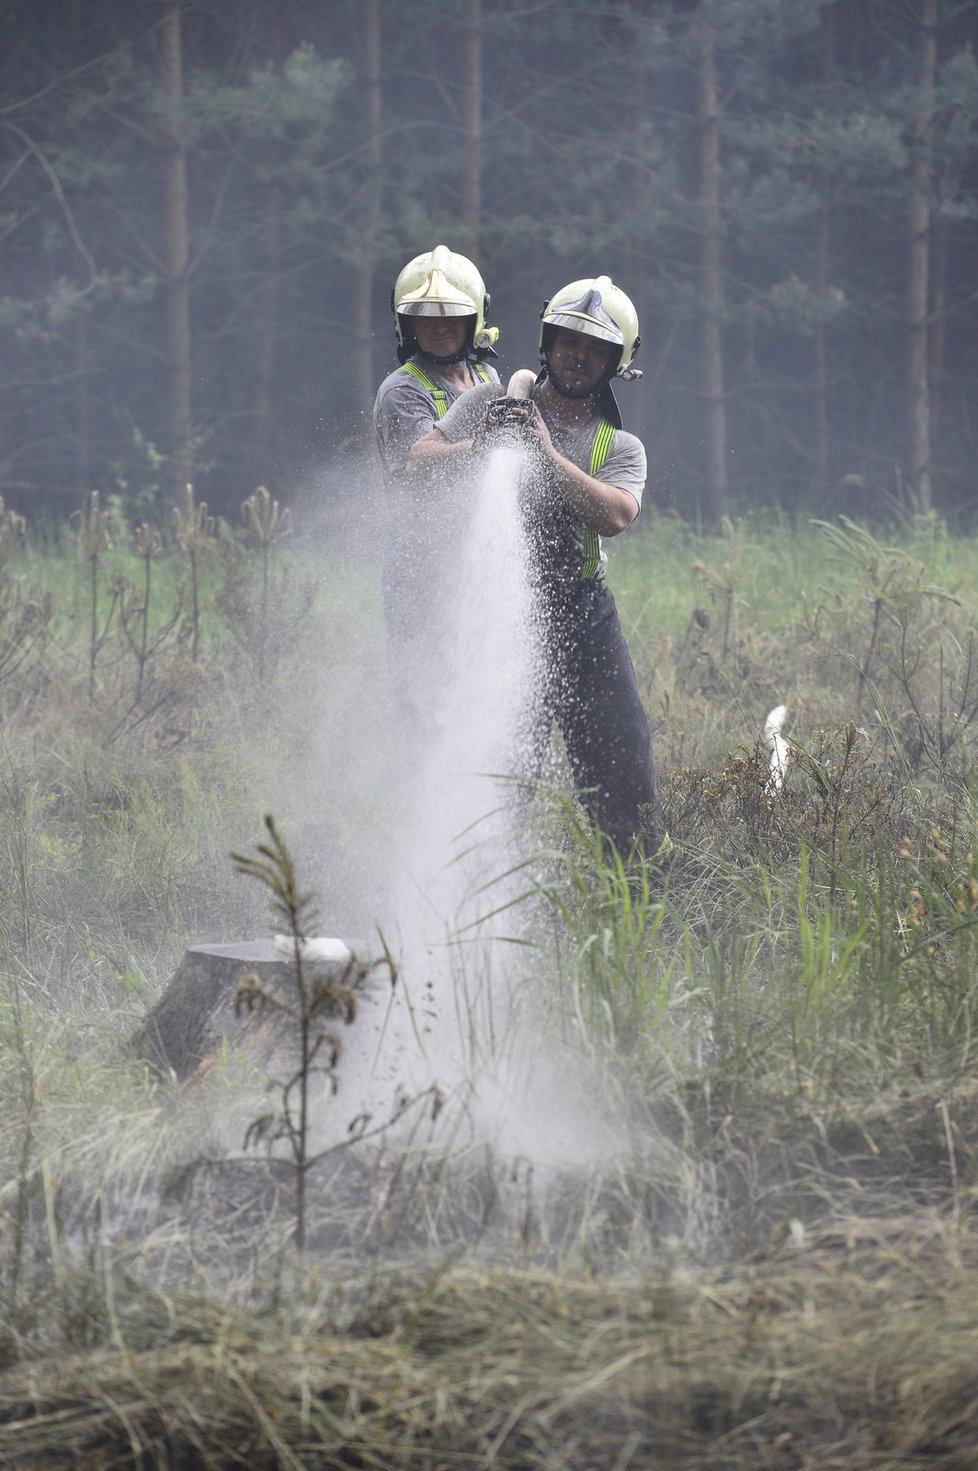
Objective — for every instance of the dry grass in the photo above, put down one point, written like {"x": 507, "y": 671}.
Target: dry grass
{"x": 838, "y": 1330}
{"x": 854, "y": 1349}
{"x": 776, "y": 1271}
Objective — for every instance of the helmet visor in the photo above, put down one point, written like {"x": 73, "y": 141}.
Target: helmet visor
{"x": 436, "y": 309}
{"x": 586, "y": 315}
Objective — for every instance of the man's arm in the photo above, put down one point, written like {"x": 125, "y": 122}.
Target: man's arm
{"x": 449, "y": 444}
{"x": 603, "y": 508}
{"x": 433, "y": 453}
{"x": 403, "y": 412}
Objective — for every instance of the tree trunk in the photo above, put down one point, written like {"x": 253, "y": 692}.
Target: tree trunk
{"x": 266, "y": 333}
{"x": 938, "y": 334}
{"x": 712, "y": 384}
{"x": 82, "y": 408}
{"x": 820, "y": 482}
{"x": 177, "y": 255}
{"x": 470, "y": 183}
{"x": 639, "y": 90}
{"x": 373, "y": 121}
{"x": 920, "y": 490}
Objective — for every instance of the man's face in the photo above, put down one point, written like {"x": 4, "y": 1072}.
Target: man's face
{"x": 577, "y": 362}
{"x": 440, "y": 337}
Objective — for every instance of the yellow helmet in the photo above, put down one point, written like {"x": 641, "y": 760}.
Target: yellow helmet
{"x": 598, "y": 308}
{"x": 441, "y": 283}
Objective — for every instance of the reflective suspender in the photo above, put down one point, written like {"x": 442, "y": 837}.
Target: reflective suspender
{"x": 440, "y": 397}
{"x": 592, "y": 541}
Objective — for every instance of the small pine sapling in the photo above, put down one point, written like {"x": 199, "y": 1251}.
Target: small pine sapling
{"x": 318, "y": 999}
{"x": 265, "y": 522}
{"x": 195, "y": 531}
{"x": 94, "y": 540}
{"x": 134, "y": 609}
{"x": 25, "y": 612}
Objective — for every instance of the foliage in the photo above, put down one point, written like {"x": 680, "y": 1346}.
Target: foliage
{"x": 774, "y": 1043}
{"x": 318, "y": 999}
{"x": 294, "y": 242}
{"x": 462, "y": 1366}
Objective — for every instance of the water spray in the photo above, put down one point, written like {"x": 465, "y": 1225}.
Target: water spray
{"x": 456, "y": 905}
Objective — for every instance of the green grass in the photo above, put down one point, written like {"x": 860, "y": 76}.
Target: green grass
{"x": 774, "y": 572}
{"x": 768, "y": 1264}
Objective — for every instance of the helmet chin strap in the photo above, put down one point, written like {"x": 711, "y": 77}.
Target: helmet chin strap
{"x": 446, "y": 362}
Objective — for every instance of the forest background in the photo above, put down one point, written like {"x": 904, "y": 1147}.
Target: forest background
{"x": 203, "y": 206}
{"x": 202, "y": 209}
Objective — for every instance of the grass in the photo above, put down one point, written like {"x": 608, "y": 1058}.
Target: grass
{"x": 773, "y": 569}
{"x": 799, "y": 1360}
{"x": 767, "y": 1262}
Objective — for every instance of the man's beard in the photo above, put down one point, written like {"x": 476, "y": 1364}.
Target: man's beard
{"x": 578, "y": 390}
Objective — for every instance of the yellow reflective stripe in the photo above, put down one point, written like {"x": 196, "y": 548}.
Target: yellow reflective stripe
{"x": 601, "y": 446}
{"x": 420, "y": 374}
{"x": 438, "y": 394}
{"x": 592, "y": 541}
{"x": 592, "y": 556}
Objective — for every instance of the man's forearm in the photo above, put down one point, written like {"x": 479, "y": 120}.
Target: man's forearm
{"x": 602, "y": 507}
{"x": 433, "y": 452}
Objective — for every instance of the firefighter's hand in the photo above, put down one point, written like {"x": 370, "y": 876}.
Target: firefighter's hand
{"x": 537, "y": 434}
{"x": 504, "y": 422}
{"x": 485, "y": 430}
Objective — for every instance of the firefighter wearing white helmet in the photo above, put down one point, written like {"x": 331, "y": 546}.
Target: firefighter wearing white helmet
{"x": 440, "y": 304}
{"x": 441, "y": 283}
{"x": 597, "y": 308}
{"x": 582, "y": 480}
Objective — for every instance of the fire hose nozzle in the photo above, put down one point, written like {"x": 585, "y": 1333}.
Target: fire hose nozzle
{"x": 512, "y": 414}
{"x": 515, "y": 409}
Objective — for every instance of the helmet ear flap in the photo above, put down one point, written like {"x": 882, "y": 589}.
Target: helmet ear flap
{"x": 403, "y": 335}
{"x": 406, "y": 343}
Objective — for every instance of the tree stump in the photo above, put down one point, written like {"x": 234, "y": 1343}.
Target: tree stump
{"x": 198, "y": 1012}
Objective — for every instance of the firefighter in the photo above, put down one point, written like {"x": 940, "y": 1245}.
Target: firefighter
{"x": 583, "y": 481}
{"x": 440, "y": 304}
{"x": 444, "y": 345}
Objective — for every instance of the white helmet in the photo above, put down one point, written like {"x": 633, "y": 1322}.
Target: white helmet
{"x": 440, "y": 283}
{"x": 598, "y": 308}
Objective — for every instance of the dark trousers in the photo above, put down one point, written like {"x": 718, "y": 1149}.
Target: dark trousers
{"x": 590, "y": 690}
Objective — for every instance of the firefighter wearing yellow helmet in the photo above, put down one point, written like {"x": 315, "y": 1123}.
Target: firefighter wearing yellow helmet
{"x": 595, "y": 308}
{"x": 583, "y": 477}
{"x": 440, "y": 304}
{"x": 442, "y": 284}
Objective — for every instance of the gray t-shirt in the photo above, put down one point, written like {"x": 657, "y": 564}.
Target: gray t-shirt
{"x": 404, "y": 411}
{"x": 565, "y": 551}
{"x": 418, "y": 518}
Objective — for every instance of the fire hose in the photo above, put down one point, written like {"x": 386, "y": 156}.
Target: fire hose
{"x": 514, "y": 411}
